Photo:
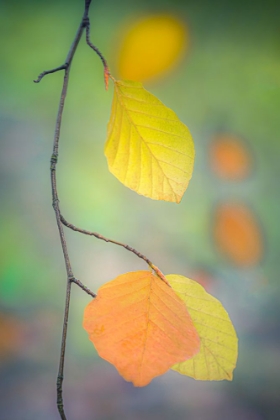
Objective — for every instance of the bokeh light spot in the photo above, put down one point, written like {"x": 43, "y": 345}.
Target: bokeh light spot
{"x": 9, "y": 336}
{"x": 204, "y": 277}
{"x": 237, "y": 234}
{"x": 229, "y": 158}
{"x": 151, "y": 46}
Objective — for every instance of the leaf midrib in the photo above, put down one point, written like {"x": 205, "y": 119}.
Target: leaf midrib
{"x": 144, "y": 142}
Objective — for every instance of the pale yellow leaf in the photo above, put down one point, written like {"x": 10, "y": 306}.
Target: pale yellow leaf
{"x": 148, "y": 148}
{"x": 217, "y": 356}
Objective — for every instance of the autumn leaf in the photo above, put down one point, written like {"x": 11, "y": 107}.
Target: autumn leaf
{"x": 141, "y": 326}
{"x": 151, "y": 46}
{"x": 217, "y": 356}
{"x": 148, "y": 148}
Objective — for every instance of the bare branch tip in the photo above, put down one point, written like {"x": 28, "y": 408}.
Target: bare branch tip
{"x": 40, "y": 77}
{"x": 44, "y": 73}
{"x": 82, "y": 286}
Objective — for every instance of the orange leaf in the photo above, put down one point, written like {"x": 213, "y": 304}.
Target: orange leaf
{"x": 141, "y": 326}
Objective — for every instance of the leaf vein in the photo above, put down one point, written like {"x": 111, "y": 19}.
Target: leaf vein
{"x": 169, "y": 148}
{"x": 161, "y": 131}
{"x": 217, "y": 342}
{"x": 212, "y": 328}
{"x": 221, "y": 367}
{"x": 151, "y": 115}
{"x": 206, "y": 313}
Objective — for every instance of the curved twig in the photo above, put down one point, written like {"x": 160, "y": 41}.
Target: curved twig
{"x": 44, "y": 73}
{"x": 70, "y": 278}
{"x": 112, "y": 241}
{"x": 61, "y": 222}
{"x": 98, "y": 52}
{"x": 83, "y": 287}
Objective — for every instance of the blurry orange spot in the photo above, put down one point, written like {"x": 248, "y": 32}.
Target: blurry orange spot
{"x": 151, "y": 46}
{"x": 238, "y": 235}
{"x": 9, "y": 336}
{"x": 204, "y": 278}
{"x": 229, "y": 158}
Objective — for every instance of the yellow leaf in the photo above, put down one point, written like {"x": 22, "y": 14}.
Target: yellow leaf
{"x": 139, "y": 324}
{"x": 151, "y": 46}
{"x": 217, "y": 357}
{"x": 148, "y": 148}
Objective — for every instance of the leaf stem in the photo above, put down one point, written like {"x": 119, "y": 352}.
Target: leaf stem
{"x": 98, "y": 52}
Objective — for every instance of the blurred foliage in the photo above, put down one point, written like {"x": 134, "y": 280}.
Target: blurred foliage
{"x": 151, "y": 46}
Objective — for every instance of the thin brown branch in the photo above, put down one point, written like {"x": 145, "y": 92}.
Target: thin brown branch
{"x": 85, "y": 24}
{"x": 103, "y": 238}
{"x": 98, "y": 52}
{"x": 90, "y": 44}
{"x": 112, "y": 241}
{"x": 44, "y": 73}
{"x": 66, "y": 67}
{"x": 59, "y": 390}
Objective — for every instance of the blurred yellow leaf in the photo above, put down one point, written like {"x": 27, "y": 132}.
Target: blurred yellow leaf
{"x": 141, "y": 326}
{"x": 148, "y": 148}
{"x": 151, "y": 46}
{"x": 217, "y": 356}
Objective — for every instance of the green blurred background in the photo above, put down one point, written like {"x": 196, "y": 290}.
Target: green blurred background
{"x": 228, "y": 81}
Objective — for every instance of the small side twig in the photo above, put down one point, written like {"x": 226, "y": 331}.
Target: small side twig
{"x": 44, "y": 73}
{"x": 83, "y": 287}
{"x": 112, "y": 241}
{"x": 98, "y": 52}
{"x": 90, "y": 44}
{"x": 103, "y": 238}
